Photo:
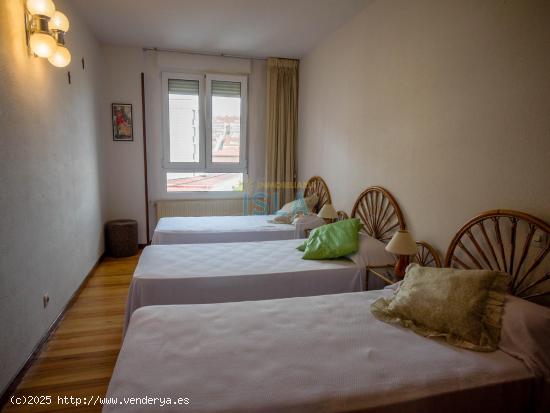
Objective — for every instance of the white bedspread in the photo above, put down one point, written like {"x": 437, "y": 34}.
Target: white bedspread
{"x": 196, "y": 230}
{"x": 313, "y": 354}
{"x": 215, "y": 273}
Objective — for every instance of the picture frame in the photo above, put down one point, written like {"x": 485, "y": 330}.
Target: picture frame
{"x": 122, "y": 118}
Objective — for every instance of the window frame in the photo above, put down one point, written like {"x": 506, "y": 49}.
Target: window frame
{"x": 205, "y": 163}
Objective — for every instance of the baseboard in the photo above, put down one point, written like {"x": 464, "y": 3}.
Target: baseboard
{"x": 12, "y": 386}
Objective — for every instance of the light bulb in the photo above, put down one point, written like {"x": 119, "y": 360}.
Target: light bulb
{"x": 42, "y": 44}
{"x": 42, "y": 7}
{"x": 59, "y": 22}
{"x": 61, "y": 57}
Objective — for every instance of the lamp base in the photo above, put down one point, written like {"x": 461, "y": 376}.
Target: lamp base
{"x": 401, "y": 265}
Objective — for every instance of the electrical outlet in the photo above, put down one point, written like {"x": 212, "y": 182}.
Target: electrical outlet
{"x": 45, "y": 300}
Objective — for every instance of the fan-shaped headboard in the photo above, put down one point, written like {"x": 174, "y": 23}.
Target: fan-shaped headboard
{"x": 510, "y": 241}
{"x": 342, "y": 215}
{"x": 426, "y": 256}
{"x": 317, "y": 185}
{"x": 379, "y": 212}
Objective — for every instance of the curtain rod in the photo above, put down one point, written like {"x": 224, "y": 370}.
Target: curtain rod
{"x": 218, "y": 54}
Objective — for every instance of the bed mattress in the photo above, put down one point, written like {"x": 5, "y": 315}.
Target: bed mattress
{"x": 312, "y": 354}
{"x": 195, "y": 230}
{"x": 215, "y": 273}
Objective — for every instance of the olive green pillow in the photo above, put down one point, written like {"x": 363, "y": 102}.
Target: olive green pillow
{"x": 332, "y": 241}
{"x": 463, "y": 306}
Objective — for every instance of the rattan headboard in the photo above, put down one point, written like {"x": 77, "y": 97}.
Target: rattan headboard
{"x": 426, "y": 256}
{"x": 510, "y": 241}
{"x": 342, "y": 215}
{"x": 379, "y": 212}
{"x": 316, "y": 185}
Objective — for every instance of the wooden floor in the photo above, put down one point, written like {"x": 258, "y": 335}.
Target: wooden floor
{"x": 80, "y": 355}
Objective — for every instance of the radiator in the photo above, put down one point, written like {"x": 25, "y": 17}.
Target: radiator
{"x": 199, "y": 207}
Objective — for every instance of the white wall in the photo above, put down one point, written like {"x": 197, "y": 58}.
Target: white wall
{"x": 445, "y": 103}
{"x": 124, "y": 160}
{"x": 50, "y": 175}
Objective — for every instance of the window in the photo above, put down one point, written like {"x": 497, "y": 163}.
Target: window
{"x": 204, "y": 132}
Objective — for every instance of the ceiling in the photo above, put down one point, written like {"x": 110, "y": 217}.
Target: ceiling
{"x": 256, "y": 28}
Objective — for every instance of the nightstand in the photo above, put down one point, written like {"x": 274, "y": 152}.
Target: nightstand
{"x": 381, "y": 276}
{"x": 384, "y": 275}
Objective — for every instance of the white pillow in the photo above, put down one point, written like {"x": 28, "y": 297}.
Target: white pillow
{"x": 394, "y": 286}
{"x": 371, "y": 253}
{"x": 525, "y": 334}
{"x": 299, "y": 206}
{"x": 282, "y": 219}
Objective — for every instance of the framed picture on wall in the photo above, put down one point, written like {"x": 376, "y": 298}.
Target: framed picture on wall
{"x": 123, "y": 129}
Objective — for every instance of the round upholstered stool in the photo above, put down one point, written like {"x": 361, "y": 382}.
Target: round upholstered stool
{"x": 121, "y": 238}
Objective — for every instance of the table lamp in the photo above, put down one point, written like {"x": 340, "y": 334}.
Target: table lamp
{"x": 328, "y": 213}
{"x": 403, "y": 245}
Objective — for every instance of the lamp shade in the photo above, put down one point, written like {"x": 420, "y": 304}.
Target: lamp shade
{"x": 42, "y": 44}
{"x": 61, "y": 57}
{"x": 402, "y": 243}
{"x": 327, "y": 212}
{"x": 41, "y": 7}
{"x": 59, "y": 22}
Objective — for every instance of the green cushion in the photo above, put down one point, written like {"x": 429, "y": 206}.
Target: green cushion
{"x": 462, "y": 306}
{"x": 333, "y": 240}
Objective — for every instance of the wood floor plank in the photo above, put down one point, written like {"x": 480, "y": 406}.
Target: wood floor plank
{"x": 116, "y": 268}
{"x": 79, "y": 357}
{"x": 108, "y": 280}
{"x": 118, "y": 291}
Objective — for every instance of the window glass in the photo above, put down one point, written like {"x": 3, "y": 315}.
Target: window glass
{"x": 183, "y": 114}
{"x": 226, "y": 121}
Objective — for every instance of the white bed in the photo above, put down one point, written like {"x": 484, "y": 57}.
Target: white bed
{"x": 215, "y": 273}
{"x": 210, "y": 229}
{"x": 239, "y": 271}
{"x": 198, "y": 230}
{"x": 308, "y": 354}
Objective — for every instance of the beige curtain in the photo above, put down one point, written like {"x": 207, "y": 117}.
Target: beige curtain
{"x": 282, "y": 130}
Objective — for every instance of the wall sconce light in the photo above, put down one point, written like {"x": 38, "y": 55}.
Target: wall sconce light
{"x": 46, "y": 30}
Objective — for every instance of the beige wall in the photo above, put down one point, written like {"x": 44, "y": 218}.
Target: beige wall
{"x": 124, "y": 160}
{"x": 445, "y": 103}
{"x": 125, "y": 191}
{"x": 50, "y": 175}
